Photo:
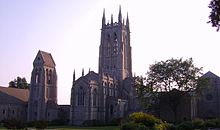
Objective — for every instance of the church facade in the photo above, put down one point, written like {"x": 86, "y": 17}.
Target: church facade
{"x": 110, "y": 93}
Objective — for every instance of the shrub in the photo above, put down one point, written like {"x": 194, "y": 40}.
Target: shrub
{"x": 171, "y": 126}
{"x": 13, "y": 124}
{"x": 58, "y": 122}
{"x": 161, "y": 126}
{"x": 146, "y": 119}
{"x": 198, "y": 123}
{"x": 210, "y": 123}
{"x": 218, "y": 123}
{"x": 143, "y": 121}
{"x": 116, "y": 121}
{"x": 185, "y": 126}
{"x": 30, "y": 124}
{"x": 41, "y": 124}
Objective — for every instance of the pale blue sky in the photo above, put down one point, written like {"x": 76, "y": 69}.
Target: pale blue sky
{"x": 70, "y": 31}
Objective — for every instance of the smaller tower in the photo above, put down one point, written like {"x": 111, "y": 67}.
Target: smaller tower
{"x": 42, "y": 104}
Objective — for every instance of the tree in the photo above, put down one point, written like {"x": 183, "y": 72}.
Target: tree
{"x": 175, "y": 77}
{"x": 215, "y": 13}
{"x": 173, "y": 73}
{"x": 19, "y": 83}
{"x": 146, "y": 96}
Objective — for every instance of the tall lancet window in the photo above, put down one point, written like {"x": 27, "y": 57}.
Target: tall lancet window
{"x": 37, "y": 76}
{"x": 94, "y": 97}
{"x": 47, "y": 74}
{"x": 81, "y": 96}
{"x": 49, "y": 77}
{"x": 115, "y": 37}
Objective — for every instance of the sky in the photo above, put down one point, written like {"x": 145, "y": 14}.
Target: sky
{"x": 70, "y": 31}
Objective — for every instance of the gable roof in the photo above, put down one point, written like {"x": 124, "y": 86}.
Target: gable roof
{"x": 209, "y": 74}
{"x": 21, "y": 94}
{"x": 88, "y": 77}
{"x": 46, "y": 57}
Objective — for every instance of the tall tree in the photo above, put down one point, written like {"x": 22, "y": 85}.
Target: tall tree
{"x": 19, "y": 83}
{"x": 176, "y": 77}
{"x": 146, "y": 96}
{"x": 215, "y": 13}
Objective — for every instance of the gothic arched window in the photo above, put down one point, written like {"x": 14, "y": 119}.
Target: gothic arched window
{"x": 47, "y": 73}
{"x": 94, "y": 97}
{"x": 81, "y": 96}
{"x": 50, "y": 77}
{"x": 115, "y": 37}
{"x": 108, "y": 37}
{"x": 111, "y": 109}
{"x": 37, "y": 75}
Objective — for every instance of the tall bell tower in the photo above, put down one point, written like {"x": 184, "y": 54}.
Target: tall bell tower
{"x": 42, "y": 104}
{"x": 115, "y": 50}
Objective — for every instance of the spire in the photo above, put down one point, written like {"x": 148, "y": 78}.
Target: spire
{"x": 112, "y": 19}
{"x": 83, "y": 72}
{"x": 103, "y": 18}
{"x": 127, "y": 23}
{"x": 74, "y": 77}
{"x": 119, "y": 15}
{"x": 127, "y": 20}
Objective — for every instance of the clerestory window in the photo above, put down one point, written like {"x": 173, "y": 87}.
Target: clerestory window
{"x": 81, "y": 96}
{"x": 94, "y": 97}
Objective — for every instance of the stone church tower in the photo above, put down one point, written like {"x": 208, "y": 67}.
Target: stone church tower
{"x": 110, "y": 93}
{"x": 115, "y": 49}
{"x": 42, "y": 104}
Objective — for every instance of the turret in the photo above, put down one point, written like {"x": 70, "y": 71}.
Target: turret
{"x": 112, "y": 19}
{"x": 127, "y": 20}
{"x": 127, "y": 23}
{"x": 119, "y": 16}
{"x": 74, "y": 77}
{"x": 103, "y": 18}
{"x": 83, "y": 72}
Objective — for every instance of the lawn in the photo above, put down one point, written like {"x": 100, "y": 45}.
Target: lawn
{"x": 84, "y": 128}
{"x": 77, "y": 128}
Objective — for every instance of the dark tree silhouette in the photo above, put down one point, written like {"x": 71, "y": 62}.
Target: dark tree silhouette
{"x": 146, "y": 95}
{"x": 176, "y": 77}
{"x": 215, "y": 14}
{"x": 19, "y": 83}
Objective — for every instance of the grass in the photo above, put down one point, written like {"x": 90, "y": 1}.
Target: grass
{"x": 83, "y": 128}
{"x": 77, "y": 128}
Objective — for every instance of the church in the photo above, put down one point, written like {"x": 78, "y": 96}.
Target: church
{"x": 103, "y": 96}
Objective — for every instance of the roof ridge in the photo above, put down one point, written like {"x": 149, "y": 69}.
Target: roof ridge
{"x": 47, "y": 58}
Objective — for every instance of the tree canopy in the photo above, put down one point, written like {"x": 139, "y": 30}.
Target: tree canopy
{"x": 173, "y": 79}
{"x": 215, "y": 13}
{"x": 173, "y": 73}
{"x": 19, "y": 83}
